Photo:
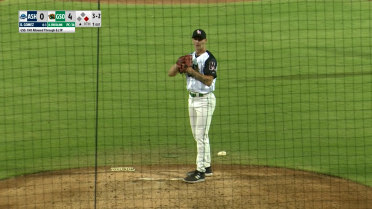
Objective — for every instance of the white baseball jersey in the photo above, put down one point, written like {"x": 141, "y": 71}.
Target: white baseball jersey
{"x": 207, "y": 65}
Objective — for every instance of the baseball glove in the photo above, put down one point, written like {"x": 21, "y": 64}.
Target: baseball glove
{"x": 184, "y": 62}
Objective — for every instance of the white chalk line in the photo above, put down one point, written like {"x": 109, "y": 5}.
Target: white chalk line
{"x": 160, "y": 179}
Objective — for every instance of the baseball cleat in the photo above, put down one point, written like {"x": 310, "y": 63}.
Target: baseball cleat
{"x": 195, "y": 177}
{"x": 208, "y": 172}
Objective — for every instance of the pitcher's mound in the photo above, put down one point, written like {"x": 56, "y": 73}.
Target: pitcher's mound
{"x": 162, "y": 187}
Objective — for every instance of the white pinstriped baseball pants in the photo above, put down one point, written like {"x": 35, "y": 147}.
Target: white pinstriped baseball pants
{"x": 200, "y": 112}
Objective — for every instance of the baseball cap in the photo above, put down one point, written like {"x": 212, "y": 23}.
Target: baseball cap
{"x": 199, "y": 33}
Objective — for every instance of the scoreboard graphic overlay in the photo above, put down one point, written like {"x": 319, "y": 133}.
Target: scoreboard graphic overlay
{"x": 57, "y": 21}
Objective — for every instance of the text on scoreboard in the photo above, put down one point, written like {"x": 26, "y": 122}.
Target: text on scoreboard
{"x": 57, "y": 21}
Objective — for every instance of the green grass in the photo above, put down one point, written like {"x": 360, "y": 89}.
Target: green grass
{"x": 294, "y": 87}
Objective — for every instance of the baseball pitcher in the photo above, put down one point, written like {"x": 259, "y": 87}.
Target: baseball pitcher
{"x": 200, "y": 68}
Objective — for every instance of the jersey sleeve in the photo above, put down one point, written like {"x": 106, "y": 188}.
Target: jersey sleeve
{"x": 210, "y": 67}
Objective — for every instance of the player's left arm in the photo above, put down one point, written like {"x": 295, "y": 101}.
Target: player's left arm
{"x": 209, "y": 72}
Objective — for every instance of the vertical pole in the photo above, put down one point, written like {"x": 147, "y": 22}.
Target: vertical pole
{"x": 96, "y": 125}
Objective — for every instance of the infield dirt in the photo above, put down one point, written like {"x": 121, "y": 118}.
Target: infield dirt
{"x": 161, "y": 187}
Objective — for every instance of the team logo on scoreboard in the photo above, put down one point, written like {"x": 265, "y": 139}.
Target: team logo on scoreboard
{"x": 52, "y": 16}
{"x": 23, "y": 16}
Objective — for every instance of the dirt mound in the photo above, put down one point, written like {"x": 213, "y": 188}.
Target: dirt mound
{"x": 162, "y": 187}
